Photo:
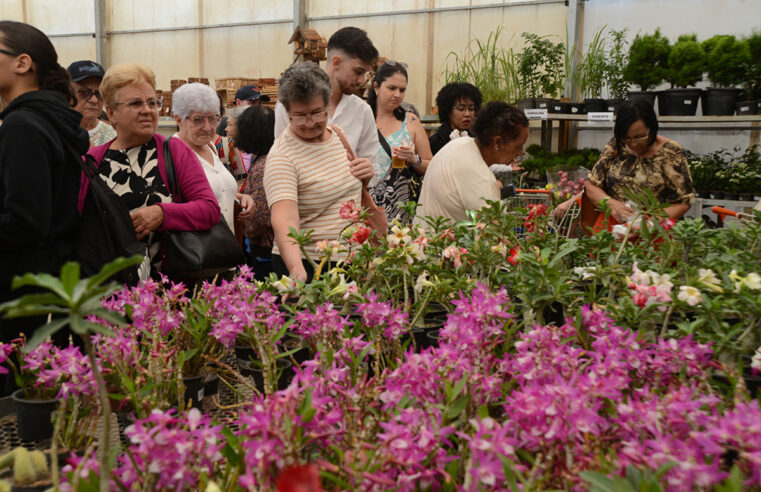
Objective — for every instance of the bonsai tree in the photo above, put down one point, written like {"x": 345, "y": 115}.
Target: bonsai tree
{"x": 540, "y": 65}
{"x": 648, "y": 59}
{"x": 726, "y": 60}
{"x": 686, "y": 62}
{"x": 615, "y": 62}
{"x": 753, "y": 69}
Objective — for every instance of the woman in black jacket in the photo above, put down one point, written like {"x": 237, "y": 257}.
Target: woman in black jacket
{"x": 458, "y": 103}
{"x": 39, "y": 174}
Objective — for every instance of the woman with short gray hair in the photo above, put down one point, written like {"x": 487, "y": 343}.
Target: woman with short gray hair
{"x": 309, "y": 174}
{"x": 195, "y": 107}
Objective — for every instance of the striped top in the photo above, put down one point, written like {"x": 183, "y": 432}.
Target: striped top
{"x": 317, "y": 177}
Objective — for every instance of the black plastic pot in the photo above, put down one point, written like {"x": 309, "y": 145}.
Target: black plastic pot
{"x": 703, "y": 194}
{"x": 283, "y": 366}
{"x": 194, "y": 391}
{"x": 576, "y": 108}
{"x": 717, "y": 195}
{"x": 642, "y": 96}
{"x": 613, "y": 104}
{"x": 543, "y": 103}
{"x": 595, "y": 105}
{"x": 747, "y": 107}
{"x": 731, "y": 196}
{"x": 33, "y": 417}
{"x": 433, "y": 338}
{"x": 561, "y": 107}
{"x": 245, "y": 354}
{"x": 746, "y": 197}
{"x": 31, "y": 488}
{"x": 678, "y": 102}
{"x": 527, "y": 103}
{"x": 720, "y": 101}
{"x": 210, "y": 384}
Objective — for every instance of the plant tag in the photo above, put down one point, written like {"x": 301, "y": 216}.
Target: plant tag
{"x": 744, "y": 108}
{"x": 600, "y": 117}
{"x": 200, "y": 394}
{"x": 688, "y": 102}
{"x": 536, "y": 114}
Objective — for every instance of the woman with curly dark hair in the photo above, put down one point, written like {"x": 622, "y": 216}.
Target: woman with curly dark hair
{"x": 458, "y": 177}
{"x": 458, "y": 103}
{"x": 255, "y": 134}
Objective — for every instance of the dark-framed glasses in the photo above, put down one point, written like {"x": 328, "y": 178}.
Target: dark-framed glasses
{"x": 85, "y": 94}
{"x": 317, "y": 117}
{"x": 137, "y": 104}
{"x": 9, "y": 53}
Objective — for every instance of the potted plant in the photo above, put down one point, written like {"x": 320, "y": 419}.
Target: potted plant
{"x": 592, "y": 79}
{"x": 648, "y": 59}
{"x": 540, "y": 70}
{"x": 615, "y": 61}
{"x": 30, "y": 470}
{"x": 726, "y": 61}
{"x": 686, "y": 64}
{"x": 751, "y": 103}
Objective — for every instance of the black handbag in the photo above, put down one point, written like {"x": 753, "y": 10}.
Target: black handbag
{"x": 197, "y": 254}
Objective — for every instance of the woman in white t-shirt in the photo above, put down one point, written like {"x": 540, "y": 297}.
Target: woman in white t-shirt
{"x": 458, "y": 178}
{"x": 195, "y": 107}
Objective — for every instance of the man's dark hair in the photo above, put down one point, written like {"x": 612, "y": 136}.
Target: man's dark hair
{"x": 498, "y": 118}
{"x": 354, "y": 42}
{"x": 628, "y": 113}
{"x": 256, "y": 130}
{"x": 453, "y": 92}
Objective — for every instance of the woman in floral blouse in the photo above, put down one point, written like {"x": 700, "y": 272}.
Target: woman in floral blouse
{"x": 255, "y": 130}
{"x": 638, "y": 159}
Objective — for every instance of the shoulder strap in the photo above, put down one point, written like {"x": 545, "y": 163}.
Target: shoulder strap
{"x": 384, "y": 142}
{"x": 349, "y": 151}
{"x": 86, "y": 161}
{"x": 170, "y": 176}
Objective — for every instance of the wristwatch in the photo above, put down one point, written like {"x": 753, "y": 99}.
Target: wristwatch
{"x": 419, "y": 161}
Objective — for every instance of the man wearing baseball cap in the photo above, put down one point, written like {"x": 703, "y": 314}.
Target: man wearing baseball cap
{"x": 86, "y": 76}
{"x": 250, "y": 95}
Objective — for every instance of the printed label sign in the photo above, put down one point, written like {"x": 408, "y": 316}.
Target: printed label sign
{"x": 600, "y": 117}
{"x": 536, "y": 114}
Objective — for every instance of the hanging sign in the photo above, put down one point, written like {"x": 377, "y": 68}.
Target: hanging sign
{"x": 536, "y": 114}
{"x": 606, "y": 117}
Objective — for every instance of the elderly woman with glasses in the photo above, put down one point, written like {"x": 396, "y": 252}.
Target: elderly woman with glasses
{"x": 195, "y": 107}
{"x": 133, "y": 166}
{"x": 403, "y": 153}
{"x": 638, "y": 159}
{"x": 458, "y": 103}
{"x": 309, "y": 176}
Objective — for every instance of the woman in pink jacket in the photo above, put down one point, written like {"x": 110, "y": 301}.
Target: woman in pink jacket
{"x": 133, "y": 166}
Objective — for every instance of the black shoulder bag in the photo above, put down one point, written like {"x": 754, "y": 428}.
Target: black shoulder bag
{"x": 105, "y": 227}
{"x": 197, "y": 254}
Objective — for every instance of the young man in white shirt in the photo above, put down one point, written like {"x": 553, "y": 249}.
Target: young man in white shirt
{"x": 351, "y": 55}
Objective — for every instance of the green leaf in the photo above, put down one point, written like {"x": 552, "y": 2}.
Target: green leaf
{"x": 116, "y": 266}
{"x": 70, "y": 277}
{"x": 457, "y": 407}
{"x": 457, "y": 389}
{"x": 507, "y": 469}
{"x": 733, "y": 483}
{"x": 43, "y": 332}
{"x": 42, "y": 280}
{"x": 342, "y": 484}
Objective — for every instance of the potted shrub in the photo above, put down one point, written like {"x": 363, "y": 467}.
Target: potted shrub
{"x": 726, "y": 60}
{"x": 30, "y": 470}
{"x": 648, "y": 59}
{"x": 685, "y": 68}
{"x": 592, "y": 79}
{"x": 751, "y": 103}
{"x": 615, "y": 61}
{"x": 541, "y": 70}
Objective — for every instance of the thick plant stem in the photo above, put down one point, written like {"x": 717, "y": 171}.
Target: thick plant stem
{"x": 105, "y": 411}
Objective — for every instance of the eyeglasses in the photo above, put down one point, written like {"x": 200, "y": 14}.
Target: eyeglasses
{"x": 392, "y": 63}
{"x": 86, "y": 94}
{"x": 9, "y": 53}
{"x": 137, "y": 104}
{"x": 471, "y": 108}
{"x": 316, "y": 117}
{"x": 200, "y": 121}
{"x": 636, "y": 139}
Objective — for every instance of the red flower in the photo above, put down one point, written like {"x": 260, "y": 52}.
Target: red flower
{"x": 360, "y": 236}
{"x": 512, "y": 258}
{"x": 295, "y": 478}
{"x": 667, "y": 224}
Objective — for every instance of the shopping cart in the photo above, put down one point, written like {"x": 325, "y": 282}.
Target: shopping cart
{"x": 567, "y": 225}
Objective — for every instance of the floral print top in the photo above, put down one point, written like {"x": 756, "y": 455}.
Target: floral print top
{"x": 666, "y": 174}
{"x": 258, "y": 227}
